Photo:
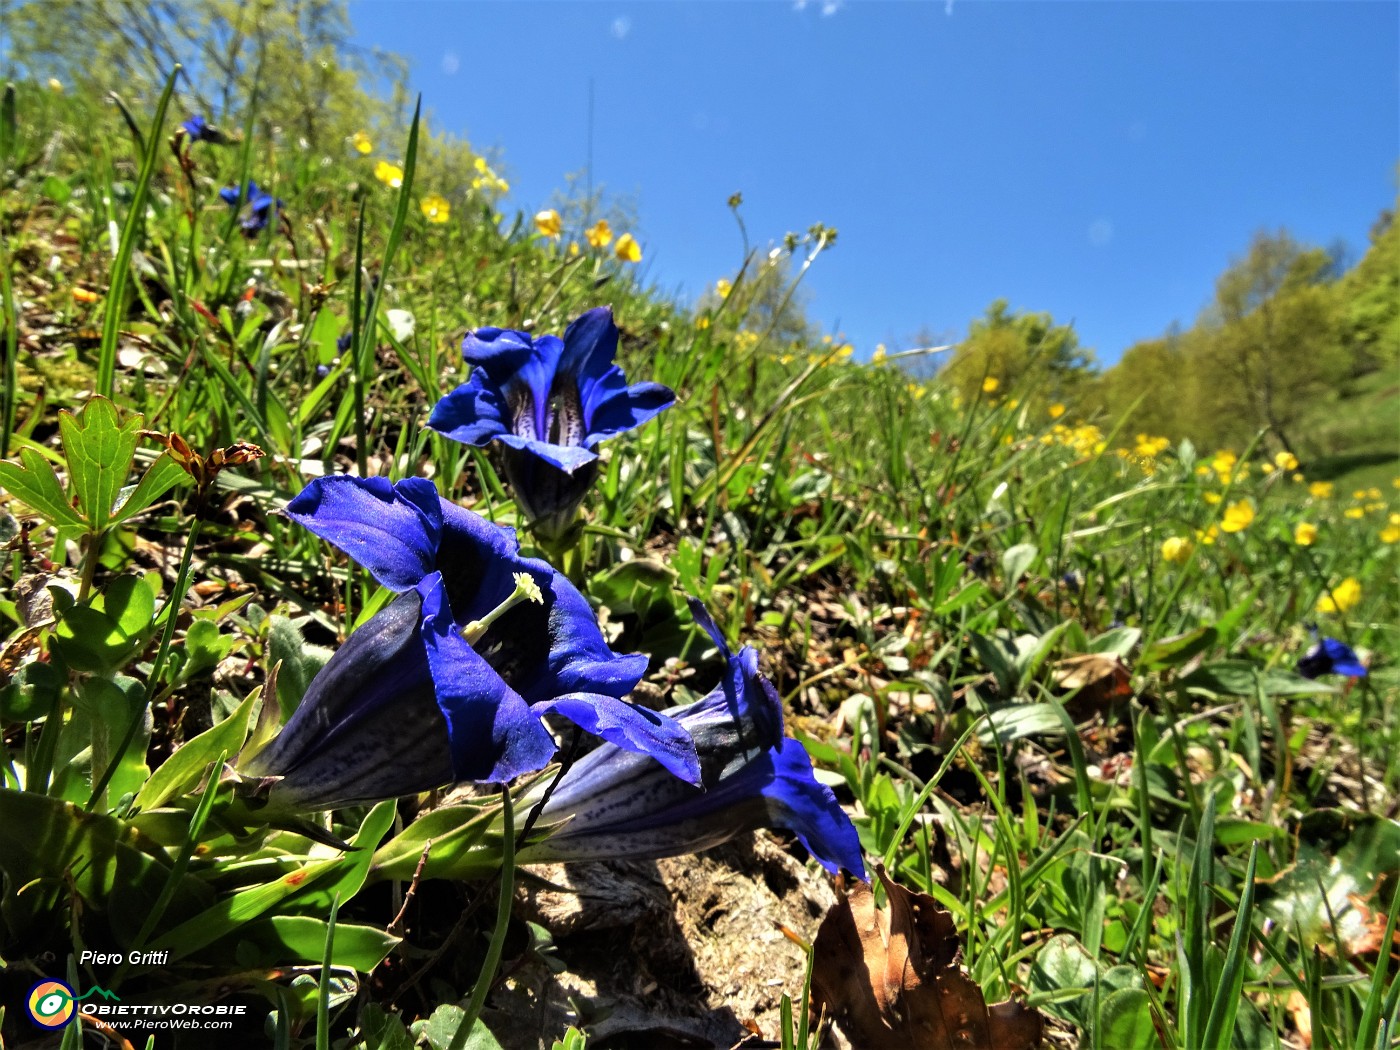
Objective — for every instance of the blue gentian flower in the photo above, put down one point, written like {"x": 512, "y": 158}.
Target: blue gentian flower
{"x": 197, "y": 129}
{"x": 549, "y": 402}
{"x": 262, "y": 206}
{"x": 450, "y": 680}
{"x": 233, "y": 196}
{"x": 1329, "y": 656}
{"x": 615, "y": 804}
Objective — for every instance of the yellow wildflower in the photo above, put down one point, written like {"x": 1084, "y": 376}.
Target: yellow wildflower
{"x": 548, "y": 222}
{"x": 878, "y": 357}
{"x": 1223, "y": 461}
{"x": 481, "y": 166}
{"x": 1176, "y": 549}
{"x": 1320, "y": 490}
{"x": 82, "y": 295}
{"x": 845, "y": 350}
{"x": 1390, "y": 534}
{"x": 599, "y": 235}
{"x": 56, "y": 85}
{"x": 1304, "y": 534}
{"x": 1286, "y": 461}
{"x": 1395, "y": 519}
{"x": 702, "y": 323}
{"x": 1207, "y": 536}
{"x": 627, "y": 249}
{"x": 1057, "y": 410}
{"x": 1354, "y": 513}
{"x": 1359, "y": 494}
{"x": 389, "y": 174}
{"x": 1341, "y": 598}
{"x": 361, "y": 143}
{"x": 916, "y": 390}
{"x": 1297, "y": 478}
{"x": 1211, "y": 497}
{"x": 1373, "y": 493}
{"x": 574, "y": 249}
{"x": 990, "y": 385}
{"x": 1202, "y": 470}
{"x": 1237, "y": 516}
{"x": 435, "y": 208}
{"x": 723, "y": 288}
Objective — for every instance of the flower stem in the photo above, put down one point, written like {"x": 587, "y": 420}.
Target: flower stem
{"x": 498, "y": 935}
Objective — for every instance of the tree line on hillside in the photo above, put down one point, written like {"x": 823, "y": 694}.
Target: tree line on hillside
{"x": 1287, "y": 331}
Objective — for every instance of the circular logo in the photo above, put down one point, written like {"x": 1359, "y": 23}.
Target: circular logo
{"x": 51, "y": 1004}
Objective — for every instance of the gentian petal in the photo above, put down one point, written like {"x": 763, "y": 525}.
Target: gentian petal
{"x": 368, "y": 707}
{"x": 568, "y": 458}
{"x": 493, "y": 735}
{"x": 808, "y": 808}
{"x": 626, "y": 408}
{"x": 393, "y": 531}
{"x": 632, "y": 728}
{"x": 473, "y": 414}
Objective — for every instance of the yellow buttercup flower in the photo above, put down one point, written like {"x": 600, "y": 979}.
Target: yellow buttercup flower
{"x": 990, "y": 385}
{"x": 702, "y": 323}
{"x": 1057, "y": 410}
{"x": 1176, "y": 549}
{"x": 1211, "y": 497}
{"x": 1320, "y": 490}
{"x": 389, "y": 174}
{"x": 435, "y": 208}
{"x": 574, "y": 249}
{"x": 1237, "y": 516}
{"x": 599, "y": 235}
{"x": 1354, "y": 513}
{"x": 1223, "y": 461}
{"x": 627, "y": 249}
{"x": 1359, "y": 494}
{"x": 548, "y": 222}
{"x": 1395, "y": 518}
{"x": 1373, "y": 493}
{"x": 916, "y": 390}
{"x": 1304, "y": 534}
{"x": 878, "y": 356}
{"x": 723, "y": 288}
{"x": 1390, "y": 534}
{"x": 1341, "y": 598}
{"x": 361, "y": 143}
{"x": 1286, "y": 461}
{"x": 1207, "y": 536}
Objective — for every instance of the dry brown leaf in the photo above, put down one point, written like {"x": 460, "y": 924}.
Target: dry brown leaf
{"x": 891, "y": 979}
{"x": 1102, "y": 680}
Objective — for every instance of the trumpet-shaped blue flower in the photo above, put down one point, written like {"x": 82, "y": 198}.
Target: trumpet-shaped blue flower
{"x": 614, "y": 804}
{"x": 1329, "y": 656}
{"x": 449, "y": 682}
{"x": 549, "y": 402}
{"x": 197, "y": 129}
{"x": 262, "y": 206}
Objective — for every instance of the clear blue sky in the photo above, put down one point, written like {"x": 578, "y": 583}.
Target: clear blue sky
{"x": 1100, "y": 161}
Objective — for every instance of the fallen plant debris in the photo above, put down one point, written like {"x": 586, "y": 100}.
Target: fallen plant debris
{"x": 891, "y": 978}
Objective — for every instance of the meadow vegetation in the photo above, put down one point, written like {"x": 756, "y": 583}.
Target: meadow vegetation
{"x": 1104, "y": 662}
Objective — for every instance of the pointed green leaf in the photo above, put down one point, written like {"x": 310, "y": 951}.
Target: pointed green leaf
{"x": 185, "y": 768}
{"x": 160, "y": 476}
{"x": 99, "y": 449}
{"x": 33, "y": 482}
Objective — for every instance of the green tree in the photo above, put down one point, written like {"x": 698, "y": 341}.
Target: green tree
{"x": 1271, "y": 343}
{"x": 1027, "y": 351}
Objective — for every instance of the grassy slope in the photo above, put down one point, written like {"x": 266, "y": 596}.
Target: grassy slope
{"x": 924, "y": 568}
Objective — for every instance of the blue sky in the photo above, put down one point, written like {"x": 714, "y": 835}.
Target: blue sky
{"x": 1100, "y": 161}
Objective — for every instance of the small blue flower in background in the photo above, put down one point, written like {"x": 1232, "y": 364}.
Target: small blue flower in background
{"x": 197, "y": 129}
{"x": 450, "y": 680}
{"x": 1329, "y": 656}
{"x": 615, "y": 804}
{"x": 549, "y": 401}
{"x": 262, "y": 206}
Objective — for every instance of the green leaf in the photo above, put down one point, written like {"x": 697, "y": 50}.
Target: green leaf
{"x": 300, "y": 662}
{"x": 1016, "y": 562}
{"x": 185, "y": 768}
{"x": 1121, "y": 641}
{"x": 30, "y": 694}
{"x": 442, "y": 1031}
{"x": 299, "y": 940}
{"x": 1244, "y": 678}
{"x": 55, "y": 851}
{"x": 1020, "y": 720}
{"x": 109, "y": 630}
{"x": 454, "y": 831}
{"x": 353, "y": 873}
{"x": 227, "y": 915}
{"x": 1125, "y": 1021}
{"x": 1064, "y": 966}
{"x": 1178, "y": 649}
{"x": 33, "y": 482}
{"x": 382, "y": 1031}
{"x": 110, "y": 706}
{"x": 99, "y": 450}
{"x": 159, "y": 478}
